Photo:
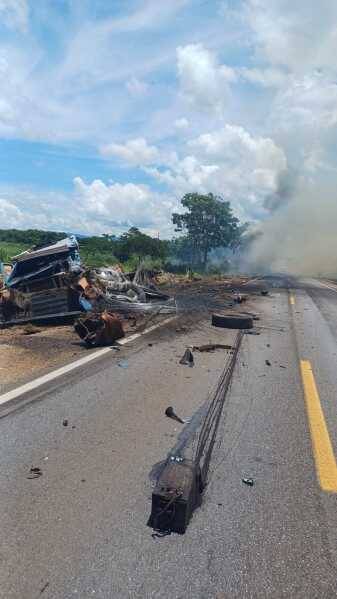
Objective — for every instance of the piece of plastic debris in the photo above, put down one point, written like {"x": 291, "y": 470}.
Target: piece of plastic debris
{"x": 248, "y": 481}
{"x": 65, "y": 422}
{"x": 187, "y": 358}
{"x": 268, "y": 363}
{"x": 44, "y": 588}
{"x": 170, "y": 413}
{"x": 123, "y": 364}
{"x": 34, "y": 472}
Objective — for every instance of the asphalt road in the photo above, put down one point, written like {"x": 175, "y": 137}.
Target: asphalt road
{"x": 79, "y": 530}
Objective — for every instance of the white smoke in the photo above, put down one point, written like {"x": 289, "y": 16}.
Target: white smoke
{"x": 301, "y": 237}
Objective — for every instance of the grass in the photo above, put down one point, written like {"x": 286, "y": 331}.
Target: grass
{"x": 9, "y": 249}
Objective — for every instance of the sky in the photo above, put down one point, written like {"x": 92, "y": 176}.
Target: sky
{"x": 112, "y": 110}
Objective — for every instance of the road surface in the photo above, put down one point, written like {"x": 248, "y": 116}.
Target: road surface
{"x": 79, "y": 530}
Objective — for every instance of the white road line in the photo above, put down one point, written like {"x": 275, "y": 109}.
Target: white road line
{"x": 51, "y": 376}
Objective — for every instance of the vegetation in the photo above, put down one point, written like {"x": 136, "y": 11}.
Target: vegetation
{"x": 209, "y": 223}
{"x": 206, "y": 224}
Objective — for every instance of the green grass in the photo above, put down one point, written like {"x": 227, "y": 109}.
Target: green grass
{"x": 9, "y": 249}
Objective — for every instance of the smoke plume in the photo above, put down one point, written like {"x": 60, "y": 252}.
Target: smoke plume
{"x": 301, "y": 236}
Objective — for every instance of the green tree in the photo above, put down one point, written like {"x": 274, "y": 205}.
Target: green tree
{"x": 209, "y": 223}
{"x": 136, "y": 243}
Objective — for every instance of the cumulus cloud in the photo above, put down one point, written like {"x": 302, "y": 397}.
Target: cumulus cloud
{"x": 14, "y": 14}
{"x": 229, "y": 162}
{"x": 136, "y": 87}
{"x": 134, "y": 152}
{"x": 299, "y": 35}
{"x": 202, "y": 79}
{"x": 181, "y": 123}
{"x": 94, "y": 208}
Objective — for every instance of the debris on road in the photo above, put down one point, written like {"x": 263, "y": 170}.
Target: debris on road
{"x": 248, "y": 481}
{"x": 65, "y": 422}
{"x": 239, "y": 298}
{"x": 264, "y": 292}
{"x": 99, "y": 329}
{"x": 170, "y": 413}
{"x": 30, "y": 329}
{"x": 232, "y": 321}
{"x": 268, "y": 363}
{"x": 210, "y": 347}
{"x": 187, "y": 359}
{"x": 123, "y": 364}
{"x": 34, "y": 472}
{"x": 51, "y": 281}
{"x": 44, "y": 588}
{"x": 176, "y": 495}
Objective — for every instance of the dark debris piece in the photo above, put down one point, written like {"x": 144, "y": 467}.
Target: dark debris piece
{"x": 187, "y": 358}
{"x": 248, "y": 481}
{"x": 44, "y": 588}
{"x": 170, "y": 413}
{"x": 268, "y": 363}
{"x": 34, "y": 472}
{"x": 65, "y": 422}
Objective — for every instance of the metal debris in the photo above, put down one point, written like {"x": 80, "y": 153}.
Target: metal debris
{"x": 34, "y": 472}
{"x": 210, "y": 347}
{"x": 170, "y": 413}
{"x": 99, "y": 329}
{"x": 248, "y": 481}
{"x": 268, "y": 363}
{"x": 187, "y": 358}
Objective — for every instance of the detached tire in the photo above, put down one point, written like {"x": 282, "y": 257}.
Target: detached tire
{"x": 239, "y": 321}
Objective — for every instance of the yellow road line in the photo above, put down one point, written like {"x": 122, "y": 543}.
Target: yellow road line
{"x": 292, "y": 299}
{"x": 326, "y": 466}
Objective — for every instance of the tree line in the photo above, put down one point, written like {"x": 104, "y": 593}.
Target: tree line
{"x": 205, "y": 223}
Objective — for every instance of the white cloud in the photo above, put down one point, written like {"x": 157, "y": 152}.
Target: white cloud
{"x": 137, "y": 87}
{"x": 14, "y": 14}
{"x": 267, "y": 77}
{"x": 134, "y": 152}
{"x": 10, "y": 214}
{"x": 308, "y": 102}
{"x": 181, "y": 123}
{"x": 203, "y": 80}
{"x": 126, "y": 205}
{"x": 300, "y": 35}
{"x": 92, "y": 208}
{"x": 229, "y": 162}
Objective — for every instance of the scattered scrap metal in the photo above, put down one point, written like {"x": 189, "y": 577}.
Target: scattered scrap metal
{"x": 187, "y": 359}
{"x": 51, "y": 281}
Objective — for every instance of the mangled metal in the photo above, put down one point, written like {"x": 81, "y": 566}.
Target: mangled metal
{"x": 51, "y": 281}
{"x": 99, "y": 329}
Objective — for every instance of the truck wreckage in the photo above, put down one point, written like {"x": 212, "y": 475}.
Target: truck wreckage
{"x": 51, "y": 282}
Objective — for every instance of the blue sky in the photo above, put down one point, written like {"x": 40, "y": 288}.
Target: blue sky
{"x": 111, "y": 110}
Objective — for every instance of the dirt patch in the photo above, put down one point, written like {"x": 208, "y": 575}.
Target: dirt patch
{"x": 24, "y": 356}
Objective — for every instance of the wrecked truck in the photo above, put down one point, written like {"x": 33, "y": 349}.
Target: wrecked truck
{"x": 51, "y": 281}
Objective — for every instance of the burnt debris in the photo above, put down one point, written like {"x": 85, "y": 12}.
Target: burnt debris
{"x": 51, "y": 281}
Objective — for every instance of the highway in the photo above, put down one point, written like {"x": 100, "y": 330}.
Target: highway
{"x": 79, "y": 530}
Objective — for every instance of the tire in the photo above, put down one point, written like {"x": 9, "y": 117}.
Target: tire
{"x": 238, "y": 321}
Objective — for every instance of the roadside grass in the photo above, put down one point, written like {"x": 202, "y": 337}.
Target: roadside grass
{"x": 9, "y": 249}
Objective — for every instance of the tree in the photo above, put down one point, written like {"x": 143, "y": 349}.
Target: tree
{"x": 136, "y": 243}
{"x": 209, "y": 223}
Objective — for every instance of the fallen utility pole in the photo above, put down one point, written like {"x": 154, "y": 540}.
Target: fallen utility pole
{"x": 179, "y": 488}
